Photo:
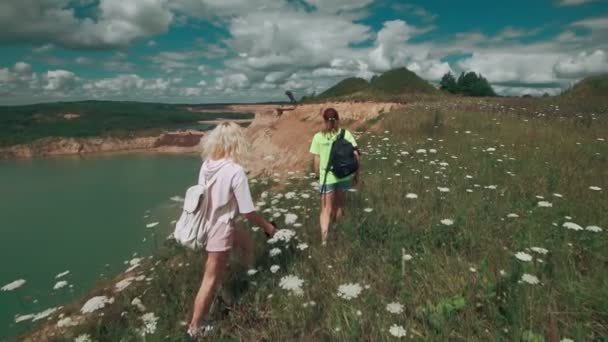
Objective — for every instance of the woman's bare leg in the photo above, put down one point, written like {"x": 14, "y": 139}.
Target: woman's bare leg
{"x": 214, "y": 267}
{"x": 325, "y": 219}
{"x": 244, "y": 244}
{"x": 340, "y": 201}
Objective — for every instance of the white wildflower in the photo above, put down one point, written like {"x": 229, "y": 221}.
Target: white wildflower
{"x": 293, "y": 284}
{"x": 594, "y": 229}
{"x": 539, "y": 250}
{"x": 530, "y": 279}
{"x": 152, "y": 225}
{"x": 290, "y": 195}
{"x": 252, "y": 272}
{"x": 349, "y": 291}
{"x": 274, "y": 252}
{"x": 545, "y": 204}
{"x": 421, "y": 151}
{"x": 149, "y": 324}
{"x": 447, "y": 222}
{"x": 284, "y": 235}
{"x": 368, "y": 210}
{"x": 394, "y": 308}
{"x": 302, "y": 246}
{"x": 406, "y": 257}
{"x": 83, "y": 338}
{"x": 512, "y": 215}
{"x": 397, "y": 331}
{"x": 572, "y": 225}
{"x": 411, "y": 196}
{"x": 595, "y": 188}
{"x": 523, "y": 256}
{"x": 442, "y": 189}
{"x": 13, "y": 285}
{"x": 275, "y": 268}
{"x": 290, "y": 219}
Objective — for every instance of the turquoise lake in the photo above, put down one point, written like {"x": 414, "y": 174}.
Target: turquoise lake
{"x": 83, "y": 214}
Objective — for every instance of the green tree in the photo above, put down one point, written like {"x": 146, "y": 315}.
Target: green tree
{"x": 448, "y": 83}
{"x": 471, "y": 84}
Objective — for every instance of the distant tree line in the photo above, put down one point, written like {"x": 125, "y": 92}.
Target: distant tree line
{"x": 469, "y": 84}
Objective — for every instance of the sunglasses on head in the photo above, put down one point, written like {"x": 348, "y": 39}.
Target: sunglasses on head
{"x": 332, "y": 118}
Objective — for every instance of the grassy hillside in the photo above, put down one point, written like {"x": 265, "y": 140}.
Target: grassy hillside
{"x": 22, "y": 124}
{"x": 393, "y": 85}
{"x": 590, "y": 87}
{"x": 345, "y": 87}
{"x": 469, "y": 225}
{"x": 399, "y": 81}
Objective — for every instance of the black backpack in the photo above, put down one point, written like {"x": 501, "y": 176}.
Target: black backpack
{"x": 342, "y": 161}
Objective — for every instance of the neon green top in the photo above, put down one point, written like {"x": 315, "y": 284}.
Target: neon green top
{"x": 321, "y": 146}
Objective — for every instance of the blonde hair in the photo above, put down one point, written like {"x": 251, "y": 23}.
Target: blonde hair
{"x": 227, "y": 140}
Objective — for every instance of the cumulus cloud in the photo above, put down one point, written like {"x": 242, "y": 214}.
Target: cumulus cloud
{"x": 59, "y": 80}
{"x": 231, "y": 82}
{"x": 582, "y": 65}
{"x": 118, "y": 22}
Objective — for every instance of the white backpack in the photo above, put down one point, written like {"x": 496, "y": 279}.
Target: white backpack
{"x": 192, "y": 228}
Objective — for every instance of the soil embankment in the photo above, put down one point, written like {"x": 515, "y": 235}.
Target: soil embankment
{"x": 279, "y": 135}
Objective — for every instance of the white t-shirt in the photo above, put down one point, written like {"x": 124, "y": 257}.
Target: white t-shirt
{"x": 230, "y": 193}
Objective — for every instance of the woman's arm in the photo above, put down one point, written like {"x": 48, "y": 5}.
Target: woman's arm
{"x": 259, "y": 221}
{"x": 316, "y": 162}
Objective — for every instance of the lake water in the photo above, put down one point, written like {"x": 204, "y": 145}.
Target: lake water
{"x": 83, "y": 214}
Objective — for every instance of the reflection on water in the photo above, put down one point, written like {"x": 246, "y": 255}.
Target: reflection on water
{"x": 82, "y": 214}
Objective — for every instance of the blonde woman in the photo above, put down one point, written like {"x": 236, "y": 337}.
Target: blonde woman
{"x": 332, "y": 188}
{"x": 229, "y": 195}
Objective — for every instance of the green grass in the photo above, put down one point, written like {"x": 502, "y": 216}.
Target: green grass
{"x": 23, "y": 124}
{"x": 463, "y": 281}
{"x": 345, "y": 87}
{"x": 590, "y": 87}
{"x": 393, "y": 85}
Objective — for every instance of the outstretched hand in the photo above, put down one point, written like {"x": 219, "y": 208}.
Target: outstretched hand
{"x": 271, "y": 230}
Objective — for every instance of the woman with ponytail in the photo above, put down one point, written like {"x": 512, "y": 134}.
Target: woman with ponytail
{"x": 333, "y": 189}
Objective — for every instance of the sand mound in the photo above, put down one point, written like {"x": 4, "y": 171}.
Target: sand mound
{"x": 281, "y": 143}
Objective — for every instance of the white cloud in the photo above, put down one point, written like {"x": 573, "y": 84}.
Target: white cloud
{"x": 574, "y": 2}
{"x": 582, "y": 65}
{"x": 338, "y": 6}
{"x": 233, "y": 81}
{"x": 59, "y": 80}
{"x": 118, "y": 22}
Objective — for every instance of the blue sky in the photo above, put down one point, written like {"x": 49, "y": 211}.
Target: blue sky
{"x": 205, "y": 51}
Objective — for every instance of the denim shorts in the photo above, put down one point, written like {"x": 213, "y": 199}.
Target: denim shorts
{"x": 343, "y": 186}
